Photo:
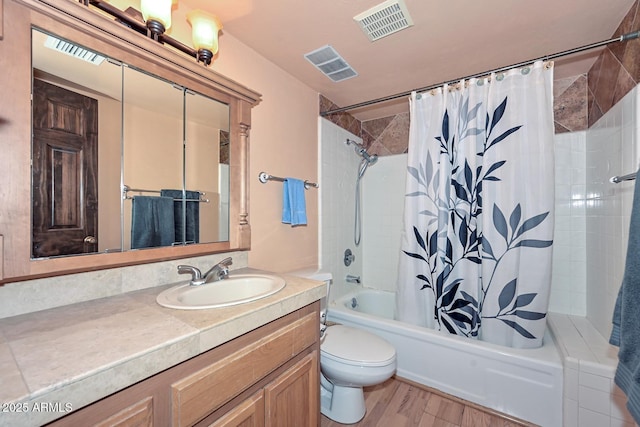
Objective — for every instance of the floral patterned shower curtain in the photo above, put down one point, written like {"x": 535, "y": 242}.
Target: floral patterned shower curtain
{"x": 478, "y": 225}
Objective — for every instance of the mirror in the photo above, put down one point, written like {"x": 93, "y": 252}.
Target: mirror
{"x": 122, "y": 159}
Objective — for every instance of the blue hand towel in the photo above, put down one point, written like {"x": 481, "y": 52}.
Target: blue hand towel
{"x": 151, "y": 222}
{"x": 192, "y": 222}
{"x": 294, "y": 209}
{"x": 626, "y": 333}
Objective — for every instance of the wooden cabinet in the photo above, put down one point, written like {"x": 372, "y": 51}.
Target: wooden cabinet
{"x": 267, "y": 377}
{"x": 249, "y": 413}
{"x": 139, "y": 414}
{"x": 291, "y": 400}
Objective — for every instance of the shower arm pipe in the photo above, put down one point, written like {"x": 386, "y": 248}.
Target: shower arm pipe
{"x": 622, "y": 38}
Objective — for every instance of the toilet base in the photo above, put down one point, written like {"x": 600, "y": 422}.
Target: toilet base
{"x": 344, "y": 405}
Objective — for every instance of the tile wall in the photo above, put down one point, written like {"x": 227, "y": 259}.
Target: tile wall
{"x": 390, "y": 135}
{"x": 617, "y": 69}
{"x": 383, "y": 217}
{"x": 338, "y": 165}
{"x": 568, "y": 289}
{"x": 611, "y": 149}
{"x": 590, "y": 396}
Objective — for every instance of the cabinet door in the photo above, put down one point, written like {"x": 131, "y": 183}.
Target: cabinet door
{"x": 139, "y": 414}
{"x": 249, "y": 413}
{"x": 292, "y": 400}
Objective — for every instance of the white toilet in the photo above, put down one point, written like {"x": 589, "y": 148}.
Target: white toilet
{"x": 350, "y": 359}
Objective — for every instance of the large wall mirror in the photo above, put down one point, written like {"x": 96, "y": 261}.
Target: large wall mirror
{"x": 117, "y": 150}
{"x": 122, "y": 159}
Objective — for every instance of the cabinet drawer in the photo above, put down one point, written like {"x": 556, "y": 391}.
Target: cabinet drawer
{"x": 139, "y": 414}
{"x": 201, "y": 393}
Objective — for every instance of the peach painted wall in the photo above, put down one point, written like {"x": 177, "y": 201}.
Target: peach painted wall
{"x": 283, "y": 142}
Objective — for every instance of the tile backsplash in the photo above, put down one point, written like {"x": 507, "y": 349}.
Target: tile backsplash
{"x": 41, "y": 294}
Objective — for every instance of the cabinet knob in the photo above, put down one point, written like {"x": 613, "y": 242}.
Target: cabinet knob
{"x": 90, "y": 240}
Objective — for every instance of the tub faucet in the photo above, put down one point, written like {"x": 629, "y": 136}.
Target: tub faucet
{"x": 353, "y": 279}
{"x": 216, "y": 273}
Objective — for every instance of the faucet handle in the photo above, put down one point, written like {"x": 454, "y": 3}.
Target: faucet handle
{"x": 224, "y": 267}
{"x": 196, "y": 274}
{"x": 226, "y": 262}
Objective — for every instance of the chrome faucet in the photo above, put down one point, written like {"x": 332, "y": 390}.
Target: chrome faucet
{"x": 216, "y": 273}
{"x": 353, "y": 279}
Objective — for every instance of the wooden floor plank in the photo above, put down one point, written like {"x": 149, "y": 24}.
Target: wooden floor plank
{"x": 401, "y": 403}
{"x": 381, "y": 406}
{"x": 414, "y": 402}
{"x": 445, "y": 409}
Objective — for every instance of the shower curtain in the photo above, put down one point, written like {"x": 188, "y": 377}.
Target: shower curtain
{"x": 475, "y": 255}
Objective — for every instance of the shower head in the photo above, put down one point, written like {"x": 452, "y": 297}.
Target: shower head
{"x": 362, "y": 152}
{"x": 370, "y": 158}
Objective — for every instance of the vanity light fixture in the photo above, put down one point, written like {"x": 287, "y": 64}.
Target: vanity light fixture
{"x": 205, "y": 28}
{"x": 156, "y": 19}
{"x": 157, "y": 15}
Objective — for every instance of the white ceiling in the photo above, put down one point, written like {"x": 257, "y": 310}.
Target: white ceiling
{"x": 449, "y": 39}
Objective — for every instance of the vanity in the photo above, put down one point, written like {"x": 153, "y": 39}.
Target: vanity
{"x": 120, "y": 358}
{"x": 126, "y": 360}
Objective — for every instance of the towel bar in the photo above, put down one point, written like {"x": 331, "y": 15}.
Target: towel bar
{"x": 627, "y": 177}
{"x": 264, "y": 177}
{"x": 126, "y": 189}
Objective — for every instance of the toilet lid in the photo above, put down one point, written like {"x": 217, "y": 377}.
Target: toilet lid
{"x": 357, "y": 347}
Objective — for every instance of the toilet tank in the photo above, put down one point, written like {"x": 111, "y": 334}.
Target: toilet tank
{"x": 315, "y": 274}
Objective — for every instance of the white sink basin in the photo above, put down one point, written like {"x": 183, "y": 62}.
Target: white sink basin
{"x": 235, "y": 289}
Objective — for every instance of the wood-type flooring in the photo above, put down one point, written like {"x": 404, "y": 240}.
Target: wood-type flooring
{"x": 400, "y": 403}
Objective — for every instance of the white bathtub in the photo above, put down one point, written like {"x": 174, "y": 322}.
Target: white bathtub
{"x": 524, "y": 383}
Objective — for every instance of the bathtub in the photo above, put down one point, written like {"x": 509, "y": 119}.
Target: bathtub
{"x": 524, "y": 383}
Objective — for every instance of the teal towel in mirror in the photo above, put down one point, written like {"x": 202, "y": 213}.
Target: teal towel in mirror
{"x": 626, "y": 333}
{"x": 151, "y": 222}
{"x": 294, "y": 208}
{"x": 192, "y": 232}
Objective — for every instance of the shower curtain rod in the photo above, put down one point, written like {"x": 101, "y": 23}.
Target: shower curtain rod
{"x": 622, "y": 38}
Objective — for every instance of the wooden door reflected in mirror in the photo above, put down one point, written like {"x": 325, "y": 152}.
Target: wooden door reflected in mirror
{"x": 65, "y": 166}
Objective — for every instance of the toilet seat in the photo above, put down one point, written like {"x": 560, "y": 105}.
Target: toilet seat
{"x": 356, "y": 347}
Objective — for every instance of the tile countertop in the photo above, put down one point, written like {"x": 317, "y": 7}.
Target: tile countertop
{"x": 62, "y": 359}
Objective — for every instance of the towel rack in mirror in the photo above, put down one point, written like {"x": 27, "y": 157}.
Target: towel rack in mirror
{"x": 126, "y": 189}
{"x": 264, "y": 177}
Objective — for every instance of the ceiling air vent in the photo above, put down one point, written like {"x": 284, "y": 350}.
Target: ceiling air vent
{"x": 73, "y": 50}
{"x": 384, "y": 19}
{"x": 332, "y": 65}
